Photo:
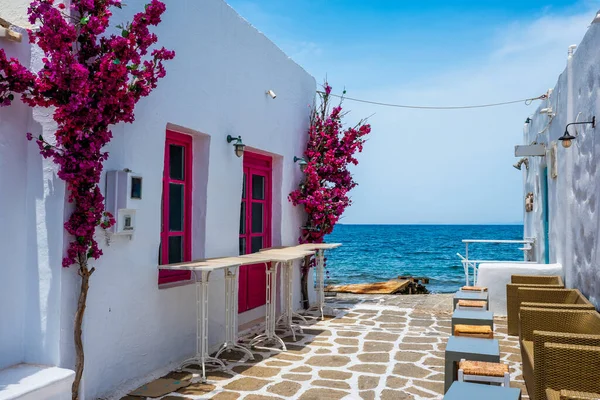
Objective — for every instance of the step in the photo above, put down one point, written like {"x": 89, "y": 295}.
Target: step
{"x": 35, "y": 382}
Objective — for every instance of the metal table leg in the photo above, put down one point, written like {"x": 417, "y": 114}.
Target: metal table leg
{"x": 321, "y": 283}
{"x": 271, "y": 310}
{"x": 202, "y": 357}
{"x": 286, "y": 319}
{"x": 231, "y": 314}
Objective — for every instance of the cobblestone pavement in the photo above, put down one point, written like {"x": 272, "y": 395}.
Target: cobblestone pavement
{"x": 376, "y": 347}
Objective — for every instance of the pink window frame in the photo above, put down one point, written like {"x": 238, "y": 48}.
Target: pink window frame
{"x": 185, "y": 141}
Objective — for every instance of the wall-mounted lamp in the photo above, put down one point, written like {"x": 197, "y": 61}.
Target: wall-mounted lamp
{"x": 271, "y": 93}
{"x": 567, "y": 138}
{"x": 238, "y": 145}
{"x": 301, "y": 162}
{"x": 522, "y": 161}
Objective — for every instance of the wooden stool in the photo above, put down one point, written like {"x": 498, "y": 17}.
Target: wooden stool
{"x": 471, "y": 305}
{"x": 478, "y": 371}
{"x": 474, "y": 331}
{"x": 474, "y": 288}
{"x": 470, "y": 295}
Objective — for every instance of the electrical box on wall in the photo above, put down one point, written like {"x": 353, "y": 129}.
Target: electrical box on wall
{"x": 123, "y": 193}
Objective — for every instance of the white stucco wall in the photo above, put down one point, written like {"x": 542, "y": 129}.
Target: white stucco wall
{"x": 15, "y": 12}
{"x": 31, "y": 213}
{"x": 574, "y": 209}
{"x": 495, "y": 277}
{"x": 215, "y": 86}
{"x": 13, "y": 174}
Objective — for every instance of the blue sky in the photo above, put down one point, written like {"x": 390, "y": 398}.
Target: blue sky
{"x": 431, "y": 166}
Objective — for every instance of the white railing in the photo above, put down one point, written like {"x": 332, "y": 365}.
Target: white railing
{"x": 474, "y": 264}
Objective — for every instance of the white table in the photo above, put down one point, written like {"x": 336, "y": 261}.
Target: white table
{"x": 202, "y": 270}
{"x": 320, "y": 249}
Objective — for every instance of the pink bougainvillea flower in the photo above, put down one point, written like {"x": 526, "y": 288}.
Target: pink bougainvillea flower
{"x": 330, "y": 150}
{"x": 93, "y": 80}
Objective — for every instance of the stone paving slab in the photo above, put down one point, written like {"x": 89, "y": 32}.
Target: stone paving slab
{"x": 376, "y": 347}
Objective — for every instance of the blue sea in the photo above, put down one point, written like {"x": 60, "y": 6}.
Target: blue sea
{"x": 372, "y": 253}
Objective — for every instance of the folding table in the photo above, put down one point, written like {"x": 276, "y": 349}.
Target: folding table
{"x": 202, "y": 270}
{"x": 320, "y": 267}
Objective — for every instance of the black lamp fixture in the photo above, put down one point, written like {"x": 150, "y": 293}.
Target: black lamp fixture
{"x": 238, "y": 145}
{"x": 301, "y": 162}
{"x": 567, "y": 137}
{"x": 522, "y": 161}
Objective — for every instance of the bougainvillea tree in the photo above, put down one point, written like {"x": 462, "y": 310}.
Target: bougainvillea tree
{"x": 324, "y": 193}
{"x": 91, "y": 80}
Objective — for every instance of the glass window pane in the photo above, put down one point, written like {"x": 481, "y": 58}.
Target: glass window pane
{"x": 257, "y": 217}
{"x": 136, "y": 188}
{"x": 176, "y": 162}
{"x": 243, "y": 218}
{"x": 175, "y": 249}
{"x": 175, "y": 207}
{"x": 242, "y": 246}
{"x": 257, "y": 243}
{"x": 258, "y": 187}
{"x": 244, "y": 187}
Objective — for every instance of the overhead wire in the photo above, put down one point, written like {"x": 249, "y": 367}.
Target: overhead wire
{"x": 527, "y": 101}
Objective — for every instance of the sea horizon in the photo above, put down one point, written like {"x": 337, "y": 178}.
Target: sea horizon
{"x": 379, "y": 252}
{"x": 434, "y": 223}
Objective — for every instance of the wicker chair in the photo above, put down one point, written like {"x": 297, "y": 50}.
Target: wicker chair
{"x": 531, "y": 281}
{"x": 540, "y": 326}
{"x": 572, "y": 372}
{"x": 560, "y": 299}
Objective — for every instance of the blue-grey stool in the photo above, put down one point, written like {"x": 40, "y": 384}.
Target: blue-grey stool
{"x": 465, "y": 390}
{"x": 468, "y": 317}
{"x": 470, "y": 295}
{"x": 472, "y": 349}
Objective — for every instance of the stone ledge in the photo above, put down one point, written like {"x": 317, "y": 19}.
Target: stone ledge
{"x": 30, "y": 382}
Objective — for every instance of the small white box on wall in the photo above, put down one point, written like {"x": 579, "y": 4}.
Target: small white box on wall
{"x": 123, "y": 193}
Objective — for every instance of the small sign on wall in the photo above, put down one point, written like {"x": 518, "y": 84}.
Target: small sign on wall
{"x": 529, "y": 202}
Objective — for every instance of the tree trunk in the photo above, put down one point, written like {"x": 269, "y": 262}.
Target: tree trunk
{"x": 85, "y": 274}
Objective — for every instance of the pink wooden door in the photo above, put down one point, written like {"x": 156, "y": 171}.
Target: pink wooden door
{"x": 255, "y": 228}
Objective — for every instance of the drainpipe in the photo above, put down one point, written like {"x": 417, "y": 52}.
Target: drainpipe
{"x": 567, "y": 252}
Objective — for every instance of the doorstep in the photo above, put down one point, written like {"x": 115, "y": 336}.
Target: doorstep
{"x": 34, "y": 382}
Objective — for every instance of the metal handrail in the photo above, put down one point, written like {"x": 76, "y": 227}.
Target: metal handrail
{"x": 524, "y": 241}
{"x": 474, "y": 263}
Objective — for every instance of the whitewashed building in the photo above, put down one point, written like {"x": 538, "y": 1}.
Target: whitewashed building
{"x": 561, "y": 183}
{"x": 564, "y": 183}
{"x": 137, "y": 323}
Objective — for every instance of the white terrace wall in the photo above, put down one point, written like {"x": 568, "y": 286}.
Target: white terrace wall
{"x": 13, "y": 181}
{"x": 32, "y": 304}
{"x": 573, "y": 194}
{"x": 215, "y": 86}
